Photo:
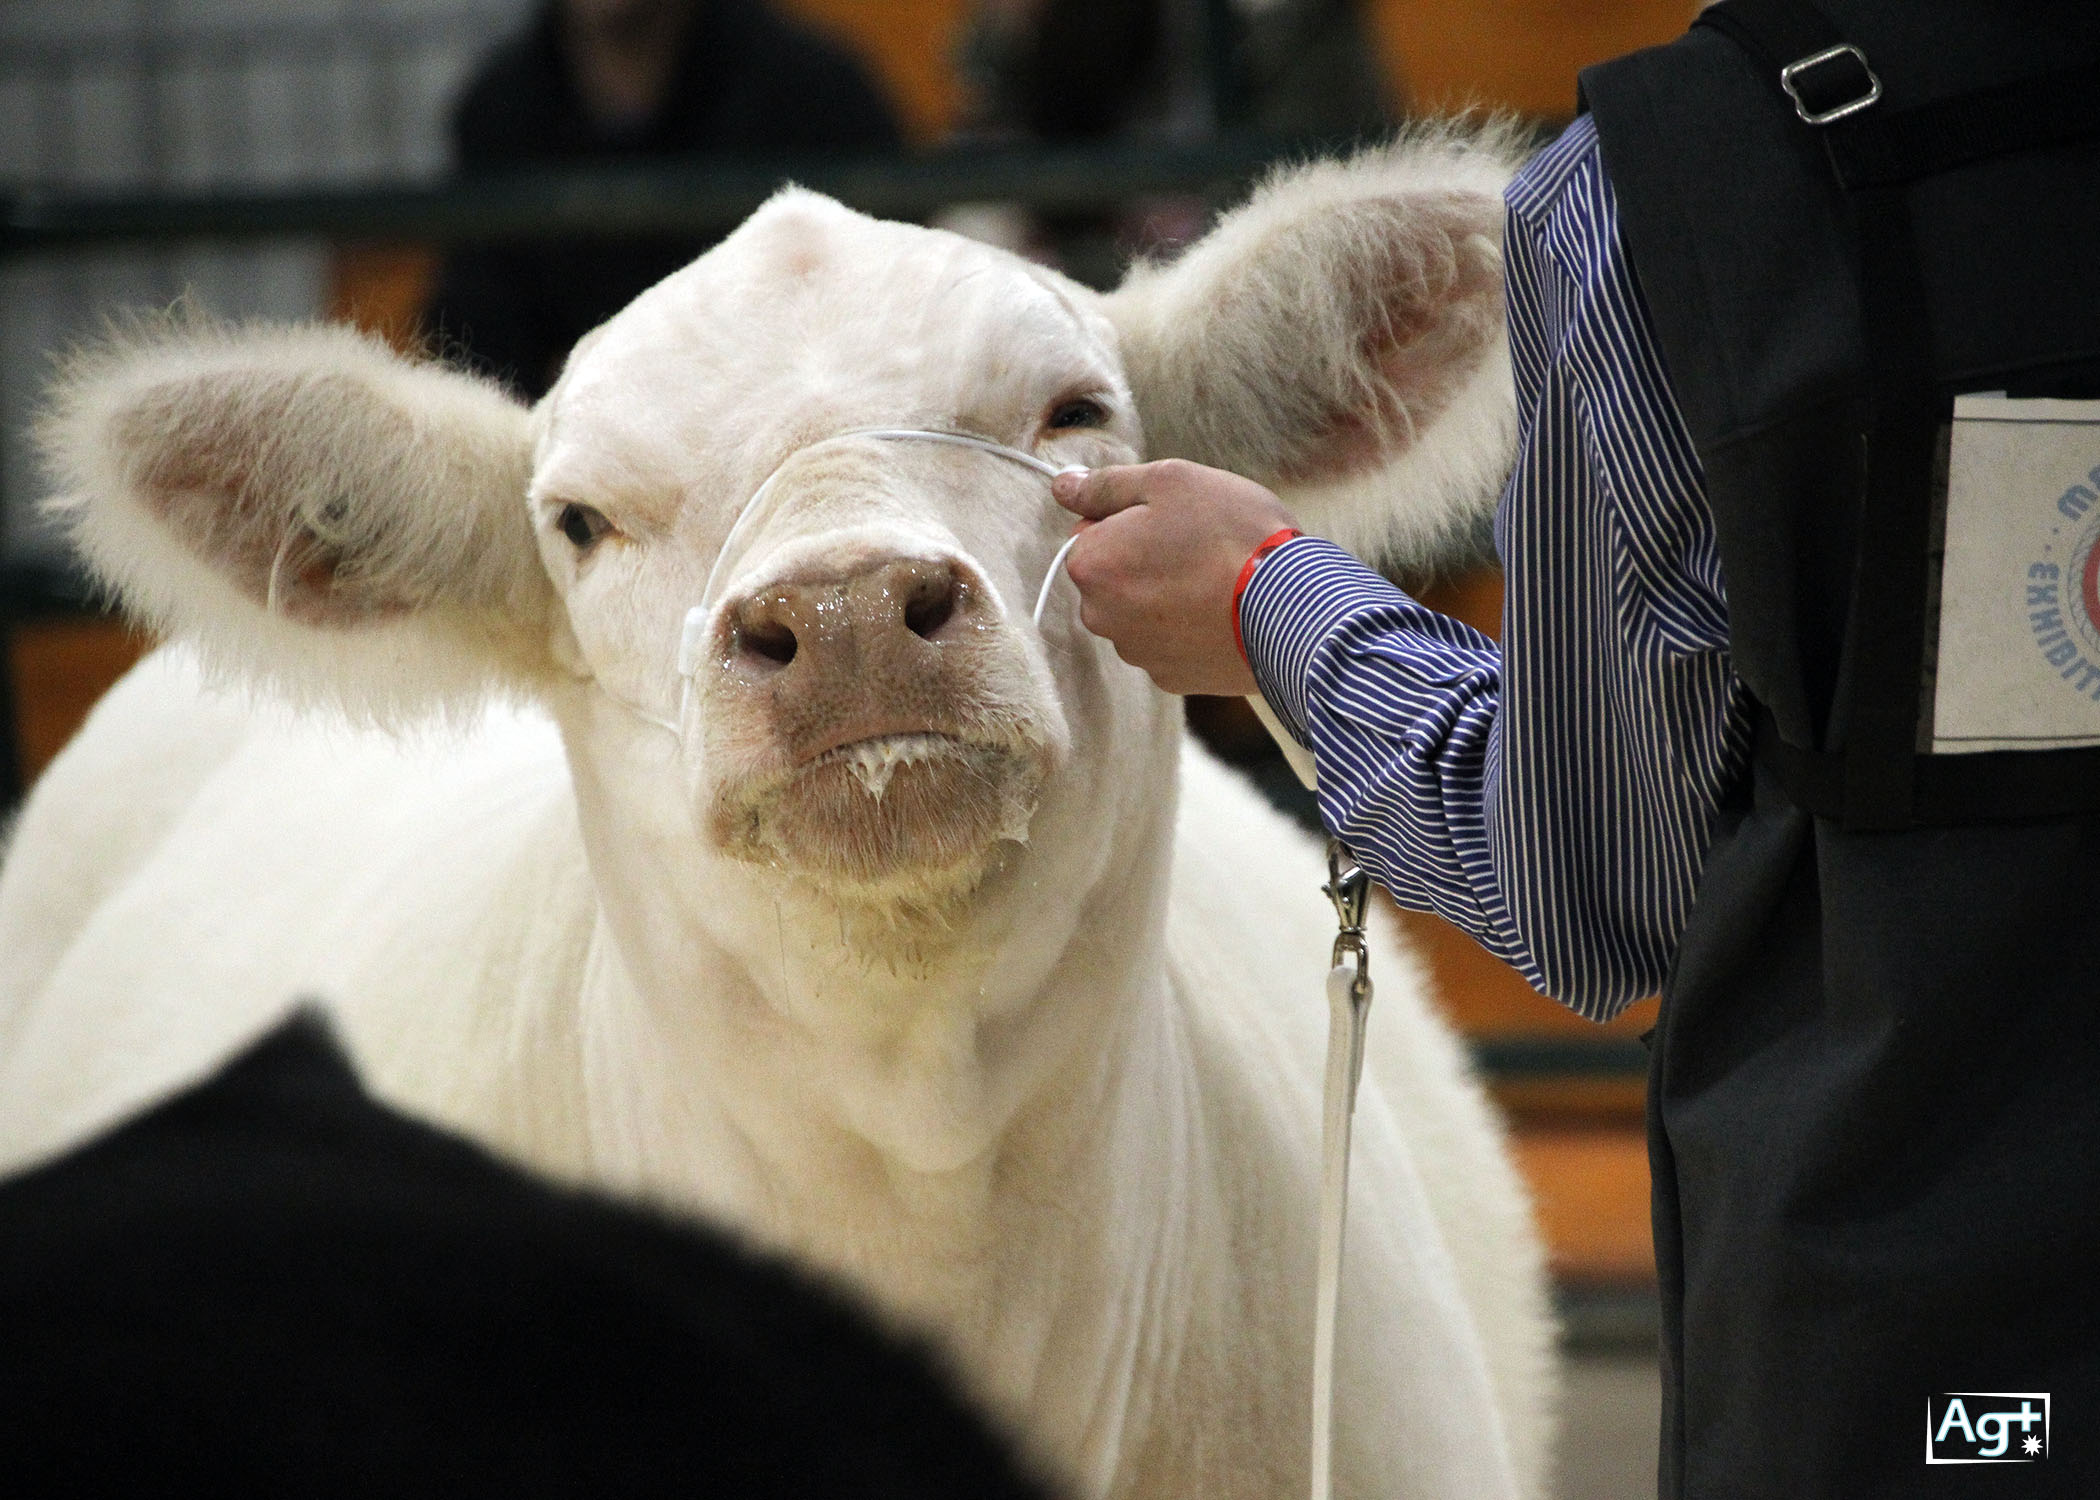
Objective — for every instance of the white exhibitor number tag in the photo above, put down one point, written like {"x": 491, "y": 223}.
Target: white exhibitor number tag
{"x": 2019, "y": 653}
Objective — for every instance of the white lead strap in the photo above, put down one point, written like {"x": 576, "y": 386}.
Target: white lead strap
{"x": 1348, "y": 1008}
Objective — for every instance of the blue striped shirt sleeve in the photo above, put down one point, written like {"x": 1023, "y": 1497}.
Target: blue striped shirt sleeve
{"x": 1555, "y": 797}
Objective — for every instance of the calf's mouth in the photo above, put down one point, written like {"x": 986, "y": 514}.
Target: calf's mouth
{"x": 874, "y": 761}
{"x": 875, "y": 725}
{"x": 914, "y": 812}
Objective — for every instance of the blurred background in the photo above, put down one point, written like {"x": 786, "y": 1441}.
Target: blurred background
{"x": 491, "y": 178}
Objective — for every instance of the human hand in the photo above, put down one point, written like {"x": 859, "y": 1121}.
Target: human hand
{"x": 1160, "y": 550}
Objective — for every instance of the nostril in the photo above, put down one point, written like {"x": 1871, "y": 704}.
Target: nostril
{"x": 931, "y": 605}
{"x": 760, "y": 630}
{"x": 767, "y": 638}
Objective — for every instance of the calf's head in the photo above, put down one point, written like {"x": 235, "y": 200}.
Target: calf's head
{"x": 867, "y": 706}
{"x": 868, "y": 710}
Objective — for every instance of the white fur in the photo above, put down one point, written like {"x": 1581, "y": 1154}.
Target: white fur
{"x": 1245, "y": 348}
{"x": 1051, "y": 1097}
{"x": 448, "y": 452}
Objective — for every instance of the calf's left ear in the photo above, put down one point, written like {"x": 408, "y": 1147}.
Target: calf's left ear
{"x": 1340, "y": 339}
{"x": 308, "y": 508}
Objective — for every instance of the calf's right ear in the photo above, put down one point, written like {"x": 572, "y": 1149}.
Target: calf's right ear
{"x": 309, "y": 508}
{"x": 1340, "y": 338}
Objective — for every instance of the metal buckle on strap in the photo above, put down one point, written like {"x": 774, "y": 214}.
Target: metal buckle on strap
{"x": 1349, "y": 888}
{"x": 1866, "y": 87}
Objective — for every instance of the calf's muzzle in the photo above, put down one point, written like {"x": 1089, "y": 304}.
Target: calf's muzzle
{"x": 829, "y": 621}
{"x": 877, "y": 646}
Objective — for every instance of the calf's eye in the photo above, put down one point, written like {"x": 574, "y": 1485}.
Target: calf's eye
{"x": 1081, "y": 413}
{"x": 581, "y": 525}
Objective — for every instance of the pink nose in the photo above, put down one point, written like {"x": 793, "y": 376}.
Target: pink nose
{"x": 874, "y": 617}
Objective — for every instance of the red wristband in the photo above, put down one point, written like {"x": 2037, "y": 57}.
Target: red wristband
{"x": 1269, "y": 544}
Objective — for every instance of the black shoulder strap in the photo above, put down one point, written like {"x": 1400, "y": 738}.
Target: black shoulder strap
{"x": 1871, "y": 780}
{"x": 1828, "y": 79}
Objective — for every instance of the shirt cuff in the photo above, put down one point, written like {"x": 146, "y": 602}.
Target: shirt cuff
{"x": 1298, "y": 595}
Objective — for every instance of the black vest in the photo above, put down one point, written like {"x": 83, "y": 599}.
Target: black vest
{"x": 1875, "y": 1111}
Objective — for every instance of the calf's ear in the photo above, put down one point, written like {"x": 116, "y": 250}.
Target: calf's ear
{"x": 1340, "y": 339}
{"x": 309, "y": 508}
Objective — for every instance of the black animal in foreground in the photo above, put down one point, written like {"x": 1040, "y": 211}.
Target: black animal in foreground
{"x": 272, "y": 1285}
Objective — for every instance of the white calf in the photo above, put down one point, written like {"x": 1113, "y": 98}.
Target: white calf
{"x": 907, "y": 939}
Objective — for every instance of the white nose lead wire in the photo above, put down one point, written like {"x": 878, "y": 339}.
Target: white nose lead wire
{"x": 1020, "y": 456}
{"x": 692, "y": 635}
{"x": 1057, "y": 564}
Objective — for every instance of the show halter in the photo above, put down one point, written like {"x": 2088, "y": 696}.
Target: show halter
{"x": 692, "y": 635}
{"x": 1019, "y": 456}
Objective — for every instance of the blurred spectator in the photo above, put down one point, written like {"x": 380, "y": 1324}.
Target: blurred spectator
{"x": 1071, "y": 69}
{"x": 626, "y": 80}
{"x": 1173, "y": 70}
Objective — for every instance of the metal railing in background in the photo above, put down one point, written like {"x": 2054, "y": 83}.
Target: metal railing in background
{"x": 615, "y": 201}
{"x": 166, "y": 97}
{"x": 214, "y": 92}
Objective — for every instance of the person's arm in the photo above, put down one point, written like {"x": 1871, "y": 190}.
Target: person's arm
{"x": 1399, "y": 705}
{"x": 1554, "y": 797}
